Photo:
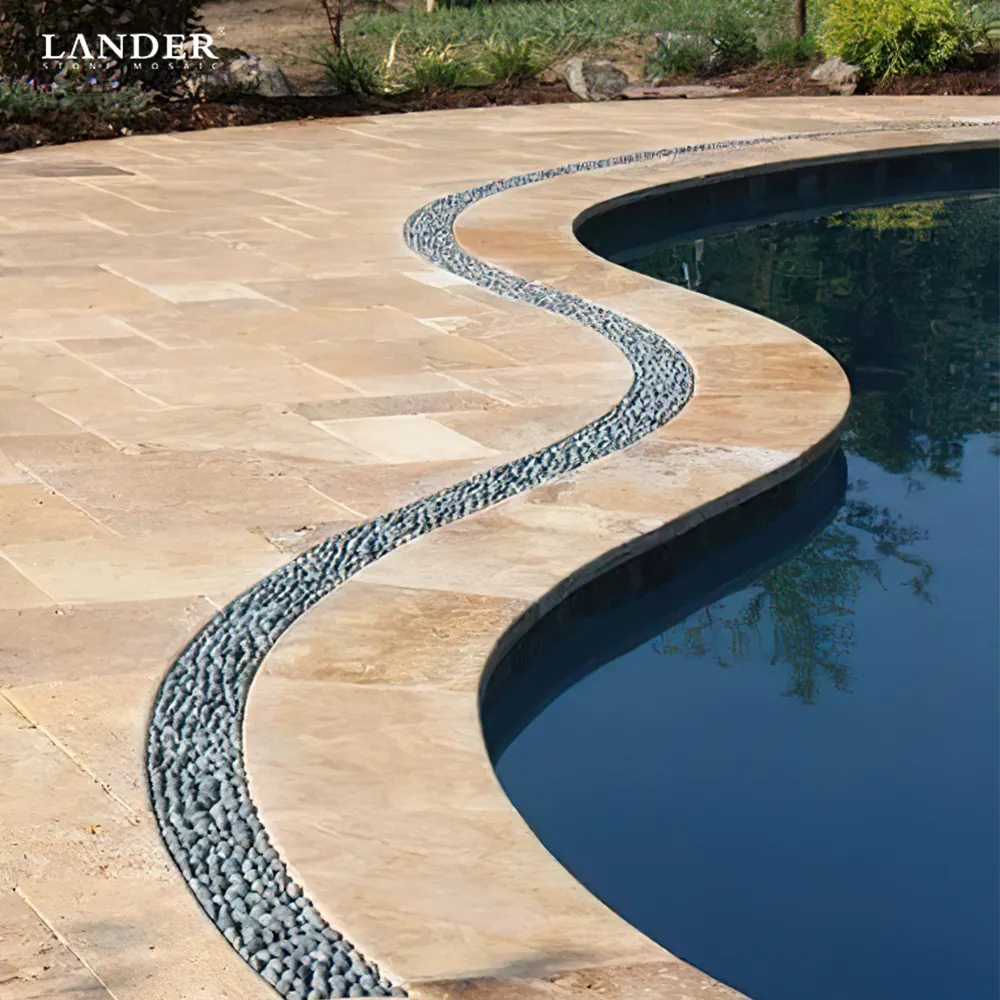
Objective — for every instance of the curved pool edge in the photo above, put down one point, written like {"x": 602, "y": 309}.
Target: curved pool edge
{"x": 774, "y": 457}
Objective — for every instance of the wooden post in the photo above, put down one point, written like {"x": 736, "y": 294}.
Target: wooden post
{"x": 431, "y": 6}
{"x": 800, "y": 18}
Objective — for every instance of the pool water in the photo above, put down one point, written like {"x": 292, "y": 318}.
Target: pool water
{"x": 797, "y": 787}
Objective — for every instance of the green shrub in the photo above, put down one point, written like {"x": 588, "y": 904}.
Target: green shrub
{"x": 439, "y": 69}
{"x": 347, "y": 72}
{"x": 734, "y": 41}
{"x": 790, "y": 51}
{"x": 890, "y": 38}
{"x": 23, "y": 102}
{"x": 510, "y": 60}
{"x": 24, "y": 22}
{"x": 680, "y": 58}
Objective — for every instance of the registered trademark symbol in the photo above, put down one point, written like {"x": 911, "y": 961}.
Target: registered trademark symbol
{"x": 220, "y": 31}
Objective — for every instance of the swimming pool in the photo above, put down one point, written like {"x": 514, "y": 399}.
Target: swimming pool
{"x": 777, "y": 754}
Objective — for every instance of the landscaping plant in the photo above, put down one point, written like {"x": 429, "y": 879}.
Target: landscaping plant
{"x": 892, "y": 38}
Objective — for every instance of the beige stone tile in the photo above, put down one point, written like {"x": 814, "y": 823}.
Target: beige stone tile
{"x": 404, "y": 385}
{"x": 32, "y": 513}
{"x": 548, "y": 385}
{"x": 70, "y": 642}
{"x": 264, "y": 429}
{"x": 215, "y": 375}
{"x": 34, "y": 964}
{"x": 183, "y": 565}
{"x": 659, "y": 479}
{"x": 22, "y": 415}
{"x": 445, "y": 402}
{"x": 520, "y": 430}
{"x": 48, "y": 325}
{"x": 343, "y": 642}
{"x": 10, "y": 473}
{"x": 199, "y": 490}
{"x": 101, "y": 721}
{"x": 17, "y": 591}
{"x": 45, "y": 453}
{"x": 43, "y": 367}
{"x": 553, "y": 977}
{"x": 97, "y": 399}
{"x": 72, "y": 287}
{"x": 384, "y": 487}
{"x": 431, "y": 352}
{"x": 225, "y": 265}
{"x": 96, "y": 872}
{"x": 417, "y": 808}
{"x": 501, "y": 553}
{"x": 773, "y": 420}
{"x": 401, "y": 439}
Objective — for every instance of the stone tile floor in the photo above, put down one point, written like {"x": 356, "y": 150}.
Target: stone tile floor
{"x": 216, "y": 350}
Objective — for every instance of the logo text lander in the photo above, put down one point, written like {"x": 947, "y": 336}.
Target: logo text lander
{"x": 140, "y": 46}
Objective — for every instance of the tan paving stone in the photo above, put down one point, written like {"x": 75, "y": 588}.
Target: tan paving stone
{"x": 171, "y": 491}
{"x": 17, "y": 591}
{"x": 70, "y": 642}
{"x": 403, "y": 439}
{"x": 266, "y": 429}
{"x": 22, "y": 415}
{"x": 32, "y": 513}
{"x": 362, "y": 650}
{"x": 34, "y": 964}
{"x": 86, "y": 569}
{"x": 94, "y": 871}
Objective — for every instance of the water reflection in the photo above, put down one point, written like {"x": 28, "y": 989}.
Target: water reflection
{"x": 790, "y": 851}
{"x": 918, "y": 340}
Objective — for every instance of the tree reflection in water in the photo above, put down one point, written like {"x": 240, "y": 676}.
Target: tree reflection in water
{"x": 905, "y": 297}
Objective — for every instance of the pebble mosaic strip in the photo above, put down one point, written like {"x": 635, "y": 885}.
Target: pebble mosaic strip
{"x": 195, "y": 762}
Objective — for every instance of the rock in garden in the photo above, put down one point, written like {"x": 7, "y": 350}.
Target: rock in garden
{"x": 261, "y": 76}
{"x": 837, "y": 76}
{"x": 594, "y": 79}
{"x": 239, "y": 76}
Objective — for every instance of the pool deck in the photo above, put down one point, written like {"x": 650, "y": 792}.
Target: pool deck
{"x": 217, "y": 350}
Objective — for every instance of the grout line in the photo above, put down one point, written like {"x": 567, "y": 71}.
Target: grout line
{"x": 288, "y": 229}
{"x": 115, "y": 194}
{"x": 110, "y": 375}
{"x": 20, "y": 572}
{"x": 332, "y": 500}
{"x": 63, "y": 941}
{"x": 133, "y": 815}
{"x": 103, "y": 225}
{"x": 59, "y": 493}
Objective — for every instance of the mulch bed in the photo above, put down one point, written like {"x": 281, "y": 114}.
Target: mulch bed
{"x": 188, "y": 115}
{"x": 167, "y": 115}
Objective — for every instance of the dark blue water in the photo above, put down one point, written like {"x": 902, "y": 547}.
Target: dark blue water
{"x": 797, "y": 788}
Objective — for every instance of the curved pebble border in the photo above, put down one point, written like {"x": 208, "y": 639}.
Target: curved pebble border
{"x": 197, "y": 778}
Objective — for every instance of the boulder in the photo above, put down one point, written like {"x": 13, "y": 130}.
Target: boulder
{"x": 235, "y": 77}
{"x": 261, "y": 76}
{"x": 837, "y": 76}
{"x": 594, "y": 79}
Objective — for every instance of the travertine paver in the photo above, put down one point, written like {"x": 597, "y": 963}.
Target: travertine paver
{"x": 204, "y": 342}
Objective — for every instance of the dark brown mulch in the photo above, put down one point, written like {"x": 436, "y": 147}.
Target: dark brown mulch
{"x": 775, "y": 81}
{"x": 187, "y": 115}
